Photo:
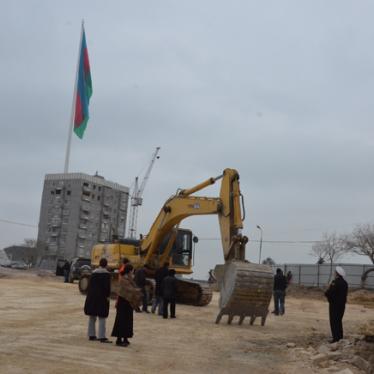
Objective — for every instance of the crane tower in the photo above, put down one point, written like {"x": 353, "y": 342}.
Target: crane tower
{"x": 136, "y": 196}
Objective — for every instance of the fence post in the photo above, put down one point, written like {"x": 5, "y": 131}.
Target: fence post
{"x": 318, "y": 275}
{"x": 299, "y": 275}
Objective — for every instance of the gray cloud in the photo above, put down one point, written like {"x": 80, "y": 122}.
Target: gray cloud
{"x": 281, "y": 91}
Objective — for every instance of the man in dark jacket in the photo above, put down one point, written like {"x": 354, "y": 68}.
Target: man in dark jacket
{"x": 161, "y": 273}
{"x": 169, "y": 293}
{"x": 141, "y": 281}
{"x": 279, "y": 292}
{"x": 337, "y": 297}
{"x": 97, "y": 301}
{"x": 66, "y": 269}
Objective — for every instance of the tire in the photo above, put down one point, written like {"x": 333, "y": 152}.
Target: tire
{"x": 84, "y": 281}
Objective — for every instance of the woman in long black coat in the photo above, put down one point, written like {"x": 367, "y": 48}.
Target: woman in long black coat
{"x": 128, "y": 298}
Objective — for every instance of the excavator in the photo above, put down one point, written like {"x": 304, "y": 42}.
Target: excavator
{"x": 245, "y": 288}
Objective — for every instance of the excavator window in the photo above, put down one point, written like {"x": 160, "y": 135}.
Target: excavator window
{"x": 181, "y": 252}
{"x": 182, "y": 248}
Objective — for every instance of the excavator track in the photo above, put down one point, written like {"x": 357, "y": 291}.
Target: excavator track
{"x": 193, "y": 292}
{"x": 246, "y": 291}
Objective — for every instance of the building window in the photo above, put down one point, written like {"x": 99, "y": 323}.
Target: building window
{"x": 68, "y": 193}
{"x": 58, "y": 191}
{"x": 85, "y": 184}
{"x": 98, "y": 198}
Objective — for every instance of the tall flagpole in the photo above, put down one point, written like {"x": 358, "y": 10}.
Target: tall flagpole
{"x": 67, "y": 155}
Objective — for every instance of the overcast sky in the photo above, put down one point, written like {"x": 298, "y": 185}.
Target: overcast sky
{"x": 282, "y": 91}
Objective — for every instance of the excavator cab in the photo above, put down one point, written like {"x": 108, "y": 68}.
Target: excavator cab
{"x": 180, "y": 255}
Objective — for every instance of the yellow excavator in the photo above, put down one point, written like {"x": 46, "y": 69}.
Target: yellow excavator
{"x": 245, "y": 288}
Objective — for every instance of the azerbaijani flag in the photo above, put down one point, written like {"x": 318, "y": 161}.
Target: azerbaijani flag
{"x": 83, "y": 90}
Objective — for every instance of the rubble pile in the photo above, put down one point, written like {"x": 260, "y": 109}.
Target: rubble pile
{"x": 368, "y": 331}
{"x": 348, "y": 356}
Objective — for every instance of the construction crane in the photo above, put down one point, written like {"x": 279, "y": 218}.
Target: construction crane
{"x": 136, "y": 196}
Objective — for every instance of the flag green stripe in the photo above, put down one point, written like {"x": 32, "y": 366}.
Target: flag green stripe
{"x": 80, "y": 130}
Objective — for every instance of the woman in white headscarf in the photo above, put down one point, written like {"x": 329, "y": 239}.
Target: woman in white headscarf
{"x": 337, "y": 297}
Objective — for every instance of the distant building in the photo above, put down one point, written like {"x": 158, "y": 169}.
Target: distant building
{"x": 78, "y": 211}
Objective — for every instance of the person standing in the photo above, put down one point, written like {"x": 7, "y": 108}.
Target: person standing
{"x": 169, "y": 293}
{"x": 336, "y": 295}
{"x": 289, "y": 277}
{"x": 97, "y": 302}
{"x": 279, "y": 292}
{"x": 141, "y": 282}
{"x": 66, "y": 269}
{"x": 129, "y": 297}
{"x": 161, "y": 273}
{"x": 125, "y": 261}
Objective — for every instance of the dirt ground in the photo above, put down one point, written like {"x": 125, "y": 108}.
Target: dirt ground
{"x": 43, "y": 330}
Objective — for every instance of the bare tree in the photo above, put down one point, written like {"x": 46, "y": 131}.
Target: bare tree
{"x": 29, "y": 243}
{"x": 268, "y": 261}
{"x": 330, "y": 248}
{"x": 361, "y": 241}
{"x": 319, "y": 250}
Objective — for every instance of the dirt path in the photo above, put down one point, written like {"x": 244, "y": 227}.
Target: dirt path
{"x": 43, "y": 330}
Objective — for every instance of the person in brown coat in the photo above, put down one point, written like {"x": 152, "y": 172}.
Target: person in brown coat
{"x": 129, "y": 298}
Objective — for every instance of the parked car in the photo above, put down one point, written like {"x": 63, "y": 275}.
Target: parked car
{"x": 78, "y": 264}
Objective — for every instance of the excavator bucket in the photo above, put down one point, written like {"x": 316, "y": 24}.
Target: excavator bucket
{"x": 246, "y": 291}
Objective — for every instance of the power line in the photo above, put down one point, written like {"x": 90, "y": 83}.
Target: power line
{"x": 207, "y": 239}
{"x": 17, "y": 223}
{"x": 275, "y": 241}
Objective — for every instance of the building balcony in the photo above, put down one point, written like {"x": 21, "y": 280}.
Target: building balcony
{"x": 55, "y": 222}
{"x": 86, "y": 206}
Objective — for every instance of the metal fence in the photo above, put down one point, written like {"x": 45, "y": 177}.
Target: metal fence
{"x": 315, "y": 275}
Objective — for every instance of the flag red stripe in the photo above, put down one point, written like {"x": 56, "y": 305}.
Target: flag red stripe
{"x": 86, "y": 62}
{"x": 78, "y": 111}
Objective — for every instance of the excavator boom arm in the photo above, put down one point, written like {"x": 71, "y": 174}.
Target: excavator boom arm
{"x": 183, "y": 205}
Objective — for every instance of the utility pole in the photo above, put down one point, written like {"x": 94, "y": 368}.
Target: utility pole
{"x": 259, "y": 257}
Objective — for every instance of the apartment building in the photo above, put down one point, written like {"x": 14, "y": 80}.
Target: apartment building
{"x": 78, "y": 211}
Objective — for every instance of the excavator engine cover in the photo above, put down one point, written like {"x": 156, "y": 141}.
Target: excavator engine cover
{"x": 246, "y": 291}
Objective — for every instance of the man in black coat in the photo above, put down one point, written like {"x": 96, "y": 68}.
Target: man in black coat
{"x": 97, "y": 301}
{"x": 279, "y": 292}
{"x": 161, "y": 273}
{"x": 337, "y": 297}
{"x": 141, "y": 282}
{"x": 66, "y": 269}
{"x": 169, "y": 293}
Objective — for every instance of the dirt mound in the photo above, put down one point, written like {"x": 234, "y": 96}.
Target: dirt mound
{"x": 362, "y": 297}
{"x": 302, "y": 292}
